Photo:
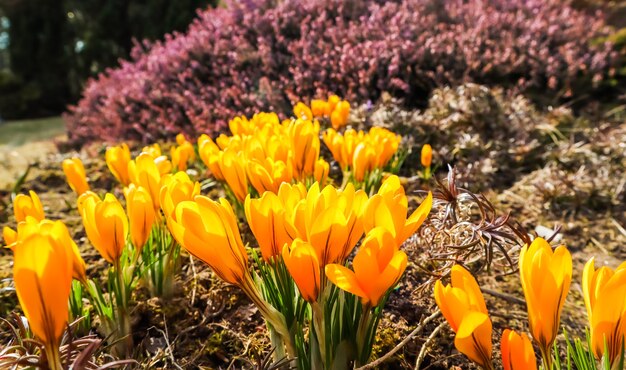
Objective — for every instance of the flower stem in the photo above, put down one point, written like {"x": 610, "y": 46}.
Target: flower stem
{"x": 53, "y": 356}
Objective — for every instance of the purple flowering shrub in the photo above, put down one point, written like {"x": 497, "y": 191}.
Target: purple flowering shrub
{"x": 258, "y": 55}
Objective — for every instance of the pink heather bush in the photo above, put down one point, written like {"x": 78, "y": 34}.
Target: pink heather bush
{"x": 263, "y": 55}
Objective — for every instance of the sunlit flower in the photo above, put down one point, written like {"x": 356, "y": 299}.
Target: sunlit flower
{"x": 269, "y": 223}
{"x": 175, "y": 189}
{"x": 141, "y": 215}
{"x": 331, "y": 221}
{"x": 463, "y": 306}
{"x": 517, "y": 351}
{"x": 322, "y": 169}
{"x": 42, "y": 274}
{"x": 265, "y": 174}
{"x": 304, "y": 135}
{"x": 546, "y": 277}
{"x": 106, "y": 225}
{"x": 604, "y": 291}
{"x": 117, "y": 158}
{"x": 180, "y": 139}
{"x": 363, "y": 161}
{"x": 301, "y": 110}
{"x": 75, "y": 174}
{"x": 333, "y": 100}
{"x": 182, "y": 155}
{"x": 233, "y": 167}
{"x": 28, "y": 205}
{"x": 319, "y": 107}
{"x": 303, "y": 266}
{"x": 427, "y": 155}
{"x": 208, "y": 230}
{"x": 339, "y": 115}
{"x": 210, "y": 155}
{"x": 143, "y": 171}
{"x": 377, "y": 266}
{"x": 154, "y": 150}
{"x": 388, "y": 208}
{"x": 59, "y": 233}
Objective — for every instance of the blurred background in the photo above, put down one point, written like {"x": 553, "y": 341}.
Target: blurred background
{"x": 49, "y": 48}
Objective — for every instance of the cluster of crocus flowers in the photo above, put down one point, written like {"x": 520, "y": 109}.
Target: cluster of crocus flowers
{"x": 336, "y": 109}
{"x": 378, "y": 265}
{"x": 308, "y": 235}
{"x": 604, "y": 291}
{"x": 463, "y": 306}
{"x": 546, "y": 276}
{"x": 319, "y": 227}
{"x": 75, "y": 174}
{"x": 360, "y": 152}
{"x": 263, "y": 153}
{"x": 309, "y": 229}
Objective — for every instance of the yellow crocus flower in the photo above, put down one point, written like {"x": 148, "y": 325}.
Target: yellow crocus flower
{"x": 318, "y": 107}
{"x": 42, "y": 272}
{"x": 322, "y": 169}
{"x": 141, "y": 215}
{"x": 210, "y": 155}
{"x": 604, "y": 291}
{"x": 61, "y": 235}
{"x": 106, "y": 225}
{"x": 233, "y": 169}
{"x": 75, "y": 173}
{"x": 546, "y": 277}
{"x": 175, "y": 189}
{"x": 333, "y": 100}
{"x": 363, "y": 161}
{"x": 269, "y": 224}
{"x": 304, "y": 136}
{"x": 517, "y": 351}
{"x": 339, "y": 116}
{"x": 303, "y": 266}
{"x": 266, "y": 174}
{"x": 463, "y": 306}
{"x": 180, "y": 138}
{"x": 182, "y": 155}
{"x": 154, "y": 150}
{"x": 301, "y": 110}
{"x": 143, "y": 171}
{"x": 28, "y": 205}
{"x": 117, "y": 158}
{"x": 331, "y": 221}
{"x": 388, "y": 208}
{"x": 426, "y": 155}
{"x": 378, "y": 266}
{"x": 208, "y": 230}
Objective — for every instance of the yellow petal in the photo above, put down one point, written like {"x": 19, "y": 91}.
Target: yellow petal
{"x": 345, "y": 279}
{"x": 303, "y": 265}
{"x": 42, "y": 274}
{"x": 416, "y": 219}
{"x": 473, "y": 339}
